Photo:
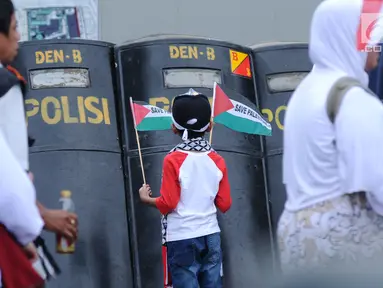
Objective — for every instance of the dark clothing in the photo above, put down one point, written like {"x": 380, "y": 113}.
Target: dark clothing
{"x": 7, "y": 81}
{"x": 196, "y": 262}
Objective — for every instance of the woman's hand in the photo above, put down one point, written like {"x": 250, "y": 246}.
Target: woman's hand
{"x": 61, "y": 222}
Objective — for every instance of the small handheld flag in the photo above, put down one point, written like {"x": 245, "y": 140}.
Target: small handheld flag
{"x": 138, "y": 115}
{"x": 221, "y": 104}
{"x": 237, "y": 116}
{"x": 150, "y": 118}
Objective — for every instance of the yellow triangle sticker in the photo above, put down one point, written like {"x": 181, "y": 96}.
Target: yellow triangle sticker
{"x": 236, "y": 58}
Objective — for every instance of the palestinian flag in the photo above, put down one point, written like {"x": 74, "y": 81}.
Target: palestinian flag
{"x": 150, "y": 118}
{"x": 237, "y": 116}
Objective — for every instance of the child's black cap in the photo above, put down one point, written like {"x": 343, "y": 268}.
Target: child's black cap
{"x": 191, "y": 111}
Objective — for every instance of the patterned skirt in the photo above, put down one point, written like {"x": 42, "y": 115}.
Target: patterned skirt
{"x": 344, "y": 230}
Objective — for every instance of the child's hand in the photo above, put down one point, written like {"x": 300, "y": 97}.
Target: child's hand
{"x": 145, "y": 192}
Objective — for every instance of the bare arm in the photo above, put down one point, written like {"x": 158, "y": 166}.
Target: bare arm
{"x": 150, "y": 201}
{"x": 57, "y": 221}
{"x": 42, "y": 209}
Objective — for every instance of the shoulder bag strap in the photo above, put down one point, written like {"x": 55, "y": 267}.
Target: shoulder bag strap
{"x": 337, "y": 93}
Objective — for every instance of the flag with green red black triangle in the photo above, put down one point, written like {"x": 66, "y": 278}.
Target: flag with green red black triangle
{"x": 148, "y": 117}
{"x": 236, "y": 115}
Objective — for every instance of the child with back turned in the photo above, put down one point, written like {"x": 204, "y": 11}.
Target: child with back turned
{"x": 194, "y": 184}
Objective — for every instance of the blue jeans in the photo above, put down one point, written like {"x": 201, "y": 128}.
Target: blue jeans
{"x": 196, "y": 262}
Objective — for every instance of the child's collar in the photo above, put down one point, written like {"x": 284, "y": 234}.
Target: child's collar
{"x": 198, "y": 144}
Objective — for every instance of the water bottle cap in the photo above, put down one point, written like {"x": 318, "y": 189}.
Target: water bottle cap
{"x": 66, "y": 194}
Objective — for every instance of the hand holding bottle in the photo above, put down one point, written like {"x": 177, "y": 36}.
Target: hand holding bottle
{"x": 61, "y": 222}
{"x": 66, "y": 224}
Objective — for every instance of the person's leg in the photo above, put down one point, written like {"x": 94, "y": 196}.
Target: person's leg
{"x": 183, "y": 267}
{"x": 210, "y": 273}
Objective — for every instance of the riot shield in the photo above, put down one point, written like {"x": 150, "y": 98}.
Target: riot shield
{"x": 154, "y": 70}
{"x": 71, "y": 113}
{"x": 376, "y": 79}
{"x": 279, "y": 68}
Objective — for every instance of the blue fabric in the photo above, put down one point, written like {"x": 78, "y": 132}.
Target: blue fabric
{"x": 196, "y": 262}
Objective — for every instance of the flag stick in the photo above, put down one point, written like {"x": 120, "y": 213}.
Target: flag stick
{"x": 211, "y": 132}
{"x": 138, "y": 140}
{"x": 212, "y": 114}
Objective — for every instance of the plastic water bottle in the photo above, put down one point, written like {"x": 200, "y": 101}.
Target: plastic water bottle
{"x": 63, "y": 246}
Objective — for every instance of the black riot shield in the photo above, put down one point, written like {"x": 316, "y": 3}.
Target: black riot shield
{"x": 376, "y": 79}
{"x": 154, "y": 70}
{"x": 279, "y": 68}
{"x": 71, "y": 113}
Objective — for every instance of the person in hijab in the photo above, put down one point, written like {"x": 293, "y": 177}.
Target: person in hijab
{"x": 13, "y": 124}
{"x": 14, "y": 129}
{"x": 194, "y": 184}
{"x": 20, "y": 220}
{"x": 333, "y": 172}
